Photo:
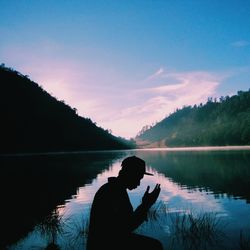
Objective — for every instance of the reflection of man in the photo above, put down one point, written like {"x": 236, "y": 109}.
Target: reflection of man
{"x": 112, "y": 219}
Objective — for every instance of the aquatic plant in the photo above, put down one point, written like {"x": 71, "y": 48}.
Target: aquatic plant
{"x": 186, "y": 229}
{"x": 244, "y": 242}
{"x": 196, "y": 230}
{"x": 76, "y": 231}
{"x": 52, "y": 226}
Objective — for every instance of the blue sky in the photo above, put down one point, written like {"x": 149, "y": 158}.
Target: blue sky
{"x": 126, "y": 64}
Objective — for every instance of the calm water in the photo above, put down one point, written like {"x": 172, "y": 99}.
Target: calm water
{"x": 47, "y": 198}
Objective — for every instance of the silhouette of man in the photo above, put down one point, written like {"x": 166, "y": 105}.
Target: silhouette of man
{"x": 112, "y": 219}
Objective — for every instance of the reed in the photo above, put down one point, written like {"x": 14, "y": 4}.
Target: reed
{"x": 77, "y": 230}
{"x": 244, "y": 243}
{"x": 196, "y": 231}
{"x": 51, "y": 227}
{"x": 187, "y": 229}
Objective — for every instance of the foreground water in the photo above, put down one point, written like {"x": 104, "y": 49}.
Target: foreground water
{"x": 204, "y": 202}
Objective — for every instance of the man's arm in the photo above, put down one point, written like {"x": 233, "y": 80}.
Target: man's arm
{"x": 148, "y": 199}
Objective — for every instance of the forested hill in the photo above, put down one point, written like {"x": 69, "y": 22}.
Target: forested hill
{"x": 217, "y": 123}
{"x": 34, "y": 121}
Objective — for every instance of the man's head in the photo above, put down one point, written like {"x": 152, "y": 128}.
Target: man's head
{"x": 133, "y": 170}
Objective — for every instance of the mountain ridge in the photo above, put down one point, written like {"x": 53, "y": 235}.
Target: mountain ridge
{"x": 217, "y": 123}
{"x": 34, "y": 121}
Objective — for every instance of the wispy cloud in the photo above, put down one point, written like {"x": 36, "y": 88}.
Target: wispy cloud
{"x": 156, "y": 103}
{"x": 98, "y": 92}
{"x": 157, "y": 74}
{"x": 240, "y": 43}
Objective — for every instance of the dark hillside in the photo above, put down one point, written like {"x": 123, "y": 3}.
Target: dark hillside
{"x": 34, "y": 121}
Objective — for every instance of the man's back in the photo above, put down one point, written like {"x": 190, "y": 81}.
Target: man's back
{"x": 111, "y": 214}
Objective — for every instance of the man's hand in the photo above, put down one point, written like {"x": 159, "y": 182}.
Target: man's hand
{"x": 149, "y": 199}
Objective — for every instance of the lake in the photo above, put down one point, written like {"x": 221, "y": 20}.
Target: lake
{"x": 204, "y": 201}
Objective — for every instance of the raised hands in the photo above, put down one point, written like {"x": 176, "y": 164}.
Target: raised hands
{"x": 149, "y": 199}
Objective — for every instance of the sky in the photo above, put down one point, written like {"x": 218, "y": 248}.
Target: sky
{"x": 127, "y": 64}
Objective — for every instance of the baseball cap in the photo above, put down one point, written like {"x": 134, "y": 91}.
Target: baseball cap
{"x": 134, "y": 164}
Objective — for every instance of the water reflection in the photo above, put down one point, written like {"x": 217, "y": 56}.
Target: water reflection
{"x": 193, "y": 183}
{"x": 32, "y": 186}
{"x": 221, "y": 172}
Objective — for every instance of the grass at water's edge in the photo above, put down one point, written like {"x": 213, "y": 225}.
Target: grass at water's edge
{"x": 187, "y": 229}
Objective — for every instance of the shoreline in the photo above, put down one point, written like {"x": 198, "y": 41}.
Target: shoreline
{"x": 200, "y": 148}
{"x": 171, "y": 149}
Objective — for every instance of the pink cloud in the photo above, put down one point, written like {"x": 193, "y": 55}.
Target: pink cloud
{"x": 113, "y": 100}
{"x": 191, "y": 88}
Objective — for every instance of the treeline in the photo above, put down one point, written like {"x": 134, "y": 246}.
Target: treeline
{"x": 34, "y": 121}
{"x": 217, "y": 123}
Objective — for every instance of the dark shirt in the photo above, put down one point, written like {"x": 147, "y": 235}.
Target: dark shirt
{"x": 112, "y": 218}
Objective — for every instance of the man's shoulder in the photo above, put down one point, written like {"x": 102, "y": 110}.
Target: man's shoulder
{"x": 108, "y": 189}
{"x": 104, "y": 188}
{"x": 108, "y": 186}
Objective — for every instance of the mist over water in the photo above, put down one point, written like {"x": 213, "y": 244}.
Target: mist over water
{"x": 196, "y": 182}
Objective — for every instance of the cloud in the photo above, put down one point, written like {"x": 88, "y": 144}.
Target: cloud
{"x": 157, "y": 74}
{"x": 157, "y": 102}
{"x": 126, "y": 110}
{"x": 83, "y": 85}
{"x": 100, "y": 93}
{"x": 240, "y": 43}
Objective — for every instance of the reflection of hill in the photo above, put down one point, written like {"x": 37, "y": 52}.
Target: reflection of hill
{"x": 34, "y": 121}
{"x": 30, "y": 187}
{"x": 221, "y": 172}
